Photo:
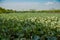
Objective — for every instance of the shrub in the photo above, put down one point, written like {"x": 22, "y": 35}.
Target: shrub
{"x": 29, "y": 29}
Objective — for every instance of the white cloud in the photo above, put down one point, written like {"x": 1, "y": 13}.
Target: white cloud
{"x": 21, "y": 5}
{"x": 49, "y": 3}
{"x": 30, "y": 5}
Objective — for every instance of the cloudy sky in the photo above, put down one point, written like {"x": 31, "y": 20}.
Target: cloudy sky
{"x": 30, "y": 4}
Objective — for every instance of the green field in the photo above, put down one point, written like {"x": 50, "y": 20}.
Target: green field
{"x": 28, "y": 15}
{"x": 30, "y": 26}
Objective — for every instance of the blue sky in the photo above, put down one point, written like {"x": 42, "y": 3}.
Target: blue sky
{"x": 30, "y": 4}
{"x": 30, "y": 0}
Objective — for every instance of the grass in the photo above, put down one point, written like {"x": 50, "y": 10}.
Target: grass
{"x": 28, "y": 15}
{"x": 36, "y": 26}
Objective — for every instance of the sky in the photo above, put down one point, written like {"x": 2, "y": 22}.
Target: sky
{"x": 30, "y": 4}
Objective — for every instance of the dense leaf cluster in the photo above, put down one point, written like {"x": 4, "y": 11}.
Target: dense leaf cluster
{"x": 29, "y": 29}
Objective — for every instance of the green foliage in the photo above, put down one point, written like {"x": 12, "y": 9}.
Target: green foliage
{"x": 29, "y": 28}
{"x": 2, "y": 10}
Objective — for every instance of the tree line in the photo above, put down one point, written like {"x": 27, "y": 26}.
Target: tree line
{"x": 3, "y": 10}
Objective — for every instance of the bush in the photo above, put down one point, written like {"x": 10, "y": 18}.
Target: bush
{"x": 29, "y": 29}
